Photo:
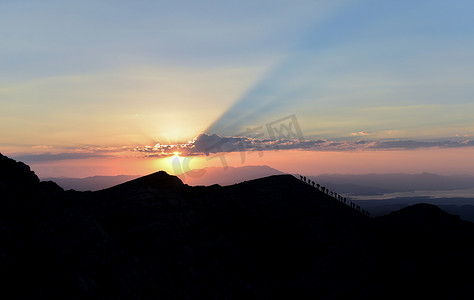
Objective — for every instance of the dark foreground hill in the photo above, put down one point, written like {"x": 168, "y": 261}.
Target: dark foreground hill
{"x": 275, "y": 237}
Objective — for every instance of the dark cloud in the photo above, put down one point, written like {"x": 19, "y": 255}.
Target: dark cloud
{"x": 211, "y": 144}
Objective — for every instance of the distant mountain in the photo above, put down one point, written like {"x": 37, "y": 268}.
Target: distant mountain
{"x": 463, "y": 207}
{"x": 94, "y": 183}
{"x": 226, "y": 176}
{"x": 205, "y": 176}
{"x": 372, "y": 184}
{"x": 275, "y": 237}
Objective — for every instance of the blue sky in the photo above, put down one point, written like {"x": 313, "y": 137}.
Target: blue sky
{"x": 387, "y": 66}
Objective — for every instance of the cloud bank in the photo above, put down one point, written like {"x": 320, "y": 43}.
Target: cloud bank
{"x": 213, "y": 144}
{"x": 206, "y": 145}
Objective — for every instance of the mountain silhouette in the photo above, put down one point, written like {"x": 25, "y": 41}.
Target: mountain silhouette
{"x": 274, "y": 237}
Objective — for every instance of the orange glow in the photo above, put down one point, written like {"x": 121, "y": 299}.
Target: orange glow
{"x": 440, "y": 161}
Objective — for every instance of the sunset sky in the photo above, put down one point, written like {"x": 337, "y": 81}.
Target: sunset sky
{"x": 127, "y": 87}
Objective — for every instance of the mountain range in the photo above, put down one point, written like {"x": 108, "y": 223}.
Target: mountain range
{"x": 380, "y": 194}
{"x": 155, "y": 237}
{"x": 205, "y": 176}
{"x": 349, "y": 184}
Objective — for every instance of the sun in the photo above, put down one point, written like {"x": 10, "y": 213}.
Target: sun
{"x": 176, "y": 154}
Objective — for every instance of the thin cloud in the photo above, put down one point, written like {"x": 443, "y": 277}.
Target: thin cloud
{"x": 361, "y": 133}
{"x": 72, "y": 154}
{"x": 42, "y": 147}
{"x": 48, "y": 157}
{"x": 409, "y": 145}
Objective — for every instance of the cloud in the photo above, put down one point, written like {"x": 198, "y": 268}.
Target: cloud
{"x": 409, "y": 145}
{"x": 361, "y": 133}
{"x": 42, "y": 147}
{"x": 48, "y": 157}
{"x": 72, "y": 153}
{"x": 213, "y": 144}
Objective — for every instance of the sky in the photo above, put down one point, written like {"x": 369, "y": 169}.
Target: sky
{"x": 127, "y": 87}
